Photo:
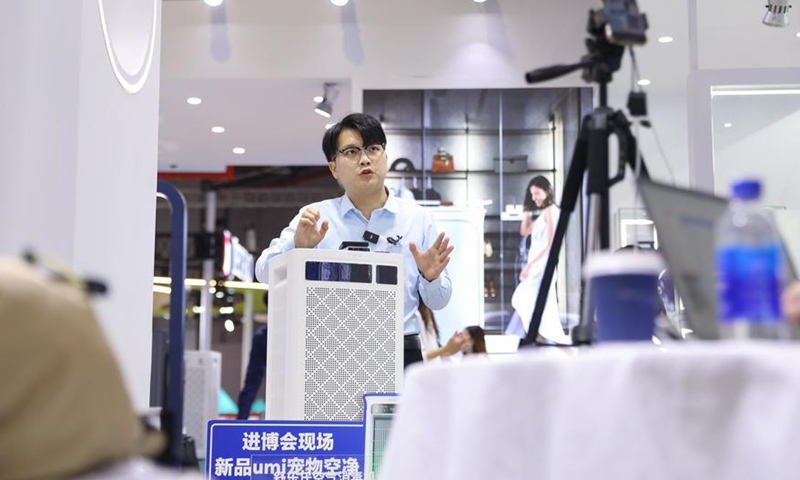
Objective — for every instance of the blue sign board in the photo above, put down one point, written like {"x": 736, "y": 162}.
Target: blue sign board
{"x": 285, "y": 450}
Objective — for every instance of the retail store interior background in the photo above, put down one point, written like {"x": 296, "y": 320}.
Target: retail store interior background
{"x": 103, "y": 101}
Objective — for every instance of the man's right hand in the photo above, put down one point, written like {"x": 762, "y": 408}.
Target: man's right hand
{"x": 307, "y": 235}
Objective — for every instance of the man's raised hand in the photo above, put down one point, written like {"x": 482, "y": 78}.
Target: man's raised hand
{"x": 307, "y": 235}
{"x": 432, "y": 261}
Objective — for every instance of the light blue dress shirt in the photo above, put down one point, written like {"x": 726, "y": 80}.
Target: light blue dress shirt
{"x": 399, "y": 220}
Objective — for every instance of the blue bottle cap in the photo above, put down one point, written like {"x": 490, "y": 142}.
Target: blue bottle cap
{"x": 746, "y": 189}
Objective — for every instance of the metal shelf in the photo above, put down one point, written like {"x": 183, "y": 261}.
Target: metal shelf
{"x": 458, "y": 174}
{"x": 467, "y": 131}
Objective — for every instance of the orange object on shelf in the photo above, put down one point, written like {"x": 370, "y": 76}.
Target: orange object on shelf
{"x": 443, "y": 162}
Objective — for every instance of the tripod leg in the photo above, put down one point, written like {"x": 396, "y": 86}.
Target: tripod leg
{"x": 582, "y": 333}
{"x": 572, "y": 188}
{"x": 597, "y": 166}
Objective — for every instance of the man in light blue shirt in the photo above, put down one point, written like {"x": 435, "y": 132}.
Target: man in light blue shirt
{"x": 355, "y": 149}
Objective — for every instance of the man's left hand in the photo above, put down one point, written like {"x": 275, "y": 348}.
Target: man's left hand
{"x": 433, "y": 261}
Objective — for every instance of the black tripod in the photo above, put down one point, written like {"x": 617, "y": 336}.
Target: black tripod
{"x": 590, "y": 157}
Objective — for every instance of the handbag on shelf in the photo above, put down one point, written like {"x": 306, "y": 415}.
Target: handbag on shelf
{"x": 442, "y": 162}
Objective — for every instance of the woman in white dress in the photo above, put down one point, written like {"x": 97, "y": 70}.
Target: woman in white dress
{"x": 541, "y": 231}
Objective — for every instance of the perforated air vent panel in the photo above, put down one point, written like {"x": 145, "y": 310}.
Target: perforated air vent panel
{"x": 350, "y": 350}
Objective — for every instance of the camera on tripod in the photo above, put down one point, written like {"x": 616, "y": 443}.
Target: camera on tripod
{"x": 615, "y": 27}
{"x": 620, "y": 21}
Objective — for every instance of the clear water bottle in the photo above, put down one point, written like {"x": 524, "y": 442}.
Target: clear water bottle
{"x": 749, "y": 268}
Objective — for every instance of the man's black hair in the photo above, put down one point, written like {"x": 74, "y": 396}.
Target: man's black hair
{"x": 366, "y": 125}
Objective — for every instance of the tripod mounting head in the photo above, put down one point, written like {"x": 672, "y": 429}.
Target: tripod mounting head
{"x": 617, "y": 25}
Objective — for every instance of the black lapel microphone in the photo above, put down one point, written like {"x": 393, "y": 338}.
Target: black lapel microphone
{"x": 371, "y": 237}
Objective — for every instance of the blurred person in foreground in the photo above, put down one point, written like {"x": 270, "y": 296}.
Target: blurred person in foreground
{"x": 790, "y": 303}
{"x": 64, "y": 408}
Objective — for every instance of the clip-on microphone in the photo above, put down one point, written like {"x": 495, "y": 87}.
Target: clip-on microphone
{"x": 371, "y": 237}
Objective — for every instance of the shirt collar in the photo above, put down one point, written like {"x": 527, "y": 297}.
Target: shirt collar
{"x": 346, "y": 205}
{"x": 391, "y": 203}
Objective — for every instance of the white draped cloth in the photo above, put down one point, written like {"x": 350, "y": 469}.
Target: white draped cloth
{"x": 697, "y": 411}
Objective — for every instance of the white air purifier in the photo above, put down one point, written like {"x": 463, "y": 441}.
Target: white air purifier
{"x": 335, "y": 332}
{"x": 202, "y": 377}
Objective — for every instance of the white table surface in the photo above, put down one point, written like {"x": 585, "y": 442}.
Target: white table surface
{"x": 691, "y": 411}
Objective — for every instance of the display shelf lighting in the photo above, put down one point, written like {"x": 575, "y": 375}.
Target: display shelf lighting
{"x": 199, "y": 282}
{"x": 189, "y": 282}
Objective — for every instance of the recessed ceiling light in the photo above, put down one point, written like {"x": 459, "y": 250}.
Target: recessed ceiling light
{"x": 213, "y": 3}
{"x": 665, "y": 39}
{"x": 340, "y": 3}
{"x": 194, "y": 100}
{"x": 727, "y": 125}
{"x": 643, "y": 82}
{"x": 478, "y": 1}
{"x": 318, "y": 99}
{"x": 238, "y": 150}
{"x": 217, "y": 129}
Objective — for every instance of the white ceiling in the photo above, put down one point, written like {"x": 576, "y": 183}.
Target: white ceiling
{"x": 258, "y": 63}
{"x": 272, "y": 119}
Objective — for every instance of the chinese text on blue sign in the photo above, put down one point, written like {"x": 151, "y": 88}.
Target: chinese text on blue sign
{"x": 285, "y": 450}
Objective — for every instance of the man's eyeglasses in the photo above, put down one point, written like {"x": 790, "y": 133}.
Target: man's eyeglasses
{"x": 353, "y": 154}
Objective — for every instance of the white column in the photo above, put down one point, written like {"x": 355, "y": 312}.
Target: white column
{"x": 206, "y": 298}
{"x": 78, "y": 155}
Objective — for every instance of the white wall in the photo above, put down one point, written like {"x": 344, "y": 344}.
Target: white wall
{"x": 730, "y": 35}
{"x": 38, "y": 134}
{"x": 78, "y": 165}
{"x": 762, "y": 141}
{"x": 668, "y": 116}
